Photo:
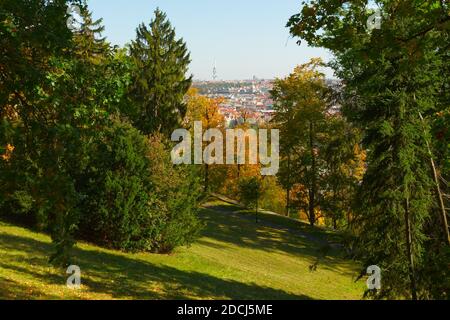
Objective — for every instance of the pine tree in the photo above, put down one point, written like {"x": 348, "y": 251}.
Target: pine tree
{"x": 89, "y": 43}
{"x": 159, "y": 81}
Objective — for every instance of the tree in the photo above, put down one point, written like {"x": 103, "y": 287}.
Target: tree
{"x": 89, "y": 43}
{"x": 392, "y": 76}
{"x": 344, "y": 169}
{"x": 300, "y": 101}
{"x": 250, "y": 191}
{"x": 40, "y": 122}
{"x": 207, "y": 111}
{"x": 116, "y": 208}
{"x": 54, "y": 112}
{"x": 159, "y": 82}
{"x": 177, "y": 191}
{"x": 135, "y": 199}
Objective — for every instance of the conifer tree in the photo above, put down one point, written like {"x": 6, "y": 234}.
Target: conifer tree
{"x": 392, "y": 76}
{"x": 160, "y": 79}
{"x": 89, "y": 43}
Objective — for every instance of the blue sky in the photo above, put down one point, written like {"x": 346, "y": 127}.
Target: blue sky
{"x": 246, "y": 38}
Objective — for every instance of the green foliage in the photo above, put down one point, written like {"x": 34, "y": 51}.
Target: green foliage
{"x": 72, "y": 161}
{"x": 44, "y": 129}
{"x": 134, "y": 198}
{"x": 89, "y": 45}
{"x": 29, "y": 26}
{"x": 392, "y": 76}
{"x": 159, "y": 82}
{"x": 249, "y": 191}
{"x": 177, "y": 191}
{"x": 319, "y": 164}
{"x": 116, "y": 190}
{"x": 344, "y": 168}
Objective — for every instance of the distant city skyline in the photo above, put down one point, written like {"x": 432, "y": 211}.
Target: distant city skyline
{"x": 241, "y": 39}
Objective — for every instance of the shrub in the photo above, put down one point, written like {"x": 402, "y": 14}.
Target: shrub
{"x": 249, "y": 191}
{"x": 273, "y": 197}
{"x": 134, "y": 198}
{"x": 116, "y": 208}
{"x": 177, "y": 191}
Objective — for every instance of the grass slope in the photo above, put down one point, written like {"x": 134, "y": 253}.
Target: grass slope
{"x": 235, "y": 259}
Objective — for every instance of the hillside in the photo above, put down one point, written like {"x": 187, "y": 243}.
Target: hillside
{"x": 235, "y": 259}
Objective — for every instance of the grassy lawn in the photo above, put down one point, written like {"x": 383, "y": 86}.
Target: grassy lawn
{"x": 235, "y": 259}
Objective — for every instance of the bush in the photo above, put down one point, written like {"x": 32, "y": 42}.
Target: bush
{"x": 177, "y": 191}
{"x": 273, "y": 197}
{"x": 116, "y": 207}
{"x": 249, "y": 191}
{"x": 127, "y": 195}
{"x": 134, "y": 197}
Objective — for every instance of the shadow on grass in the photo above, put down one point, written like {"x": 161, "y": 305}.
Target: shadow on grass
{"x": 11, "y": 290}
{"x": 266, "y": 235}
{"x": 122, "y": 277}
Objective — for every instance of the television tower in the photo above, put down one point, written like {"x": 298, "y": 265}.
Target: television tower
{"x": 214, "y": 74}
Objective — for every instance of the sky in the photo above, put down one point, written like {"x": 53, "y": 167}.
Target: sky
{"x": 243, "y": 38}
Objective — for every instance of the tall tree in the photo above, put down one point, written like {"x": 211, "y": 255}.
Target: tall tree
{"x": 159, "y": 79}
{"x": 205, "y": 110}
{"x": 57, "y": 104}
{"x": 300, "y": 101}
{"x": 34, "y": 39}
{"x": 392, "y": 76}
{"x": 344, "y": 169}
{"x": 89, "y": 43}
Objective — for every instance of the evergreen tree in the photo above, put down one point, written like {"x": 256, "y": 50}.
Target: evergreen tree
{"x": 89, "y": 43}
{"x": 392, "y": 78}
{"x": 159, "y": 80}
{"x": 176, "y": 195}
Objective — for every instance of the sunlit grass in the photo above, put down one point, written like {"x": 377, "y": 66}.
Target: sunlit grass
{"x": 235, "y": 259}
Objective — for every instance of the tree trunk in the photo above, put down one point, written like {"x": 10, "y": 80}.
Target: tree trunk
{"x": 312, "y": 214}
{"x": 288, "y": 189}
{"x": 312, "y": 189}
{"x": 206, "y": 177}
{"x": 348, "y": 218}
{"x": 288, "y": 202}
{"x": 257, "y": 205}
{"x": 443, "y": 212}
{"x": 412, "y": 276}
